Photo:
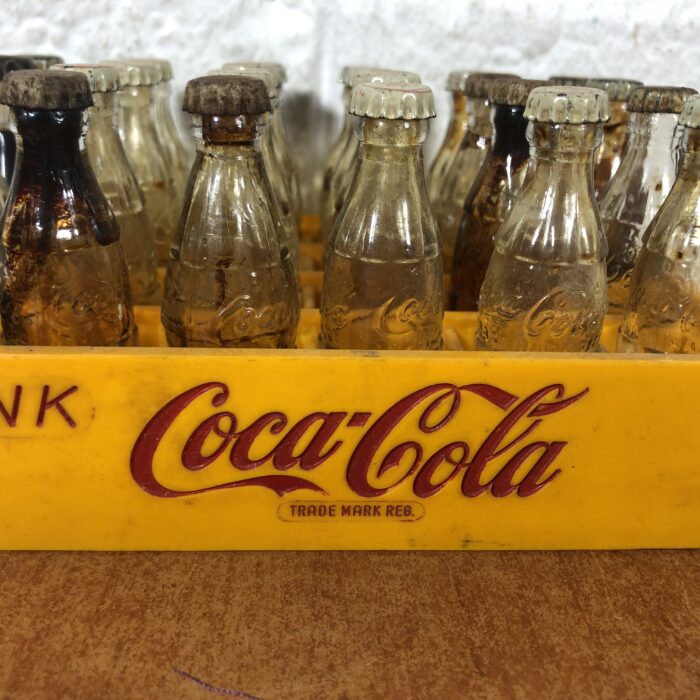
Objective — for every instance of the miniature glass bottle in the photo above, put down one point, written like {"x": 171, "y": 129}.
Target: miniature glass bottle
{"x": 456, "y": 129}
{"x": 229, "y": 282}
{"x": 278, "y": 131}
{"x": 642, "y": 182}
{"x": 545, "y": 285}
{"x": 382, "y": 286}
{"x": 7, "y": 138}
{"x": 499, "y": 181}
{"x": 609, "y": 155}
{"x": 335, "y": 190}
{"x": 274, "y": 167}
{"x": 467, "y": 162}
{"x": 63, "y": 274}
{"x": 145, "y": 152}
{"x": 118, "y": 182}
{"x": 663, "y": 309}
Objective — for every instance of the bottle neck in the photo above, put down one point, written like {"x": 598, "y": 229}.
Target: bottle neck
{"x": 479, "y": 117}
{"x": 346, "y": 131}
{"x": 459, "y": 118}
{"x": 48, "y": 139}
{"x": 137, "y": 107}
{"x": 102, "y": 122}
{"x": 509, "y": 129}
{"x": 229, "y": 137}
{"x": 651, "y": 135}
{"x": 689, "y": 166}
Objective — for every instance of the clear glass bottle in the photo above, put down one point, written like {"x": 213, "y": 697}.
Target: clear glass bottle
{"x": 489, "y": 201}
{"x": 229, "y": 282}
{"x": 177, "y": 157}
{"x": 274, "y": 167}
{"x": 467, "y": 162}
{"x": 8, "y": 64}
{"x": 145, "y": 152}
{"x": 118, "y": 182}
{"x": 663, "y": 309}
{"x": 278, "y": 131}
{"x": 382, "y": 286}
{"x": 335, "y": 190}
{"x": 63, "y": 274}
{"x": 609, "y": 155}
{"x": 642, "y": 182}
{"x": 456, "y": 130}
{"x": 545, "y": 285}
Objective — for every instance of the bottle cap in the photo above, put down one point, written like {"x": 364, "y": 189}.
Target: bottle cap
{"x": 618, "y": 89}
{"x": 164, "y": 67}
{"x": 271, "y": 83}
{"x": 46, "y": 89}
{"x": 42, "y": 60}
{"x": 513, "y": 91}
{"x": 456, "y": 80}
{"x": 226, "y": 95}
{"x": 392, "y": 101}
{"x": 102, "y": 78}
{"x": 134, "y": 73}
{"x": 690, "y": 116}
{"x": 478, "y": 85}
{"x": 8, "y": 64}
{"x": 346, "y": 73}
{"x": 660, "y": 99}
{"x": 278, "y": 71}
{"x": 384, "y": 76}
{"x": 560, "y": 104}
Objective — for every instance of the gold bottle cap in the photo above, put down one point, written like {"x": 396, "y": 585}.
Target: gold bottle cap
{"x": 102, "y": 78}
{"x": 271, "y": 82}
{"x": 561, "y": 104}
{"x": 383, "y": 76}
{"x": 135, "y": 72}
{"x": 392, "y": 101}
{"x": 277, "y": 69}
{"x": 659, "y": 99}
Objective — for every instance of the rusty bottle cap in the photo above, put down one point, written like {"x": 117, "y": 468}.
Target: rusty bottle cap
{"x": 46, "y": 89}
{"x": 226, "y": 95}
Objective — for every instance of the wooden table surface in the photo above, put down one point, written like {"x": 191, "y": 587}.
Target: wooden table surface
{"x": 350, "y": 625}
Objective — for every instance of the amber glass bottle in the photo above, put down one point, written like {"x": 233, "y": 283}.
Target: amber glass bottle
{"x": 449, "y": 206}
{"x": 492, "y": 197}
{"x": 63, "y": 274}
{"x": 230, "y": 283}
{"x": 545, "y": 289}
{"x": 382, "y": 287}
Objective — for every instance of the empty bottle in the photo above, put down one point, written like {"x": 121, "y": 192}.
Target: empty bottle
{"x": 642, "y": 182}
{"x": 494, "y": 192}
{"x": 117, "y": 180}
{"x": 63, "y": 275}
{"x": 7, "y": 138}
{"x": 465, "y": 165}
{"x": 145, "y": 152}
{"x": 456, "y": 129}
{"x": 335, "y": 188}
{"x": 609, "y": 155}
{"x": 278, "y": 131}
{"x": 382, "y": 286}
{"x": 274, "y": 166}
{"x": 545, "y": 285}
{"x": 663, "y": 309}
{"x": 229, "y": 282}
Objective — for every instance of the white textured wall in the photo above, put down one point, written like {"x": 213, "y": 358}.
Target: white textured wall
{"x": 653, "y": 41}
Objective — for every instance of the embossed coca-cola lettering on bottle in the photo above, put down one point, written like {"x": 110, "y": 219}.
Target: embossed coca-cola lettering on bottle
{"x": 230, "y": 280}
{"x": 642, "y": 182}
{"x": 663, "y": 308}
{"x": 383, "y": 278}
{"x": 63, "y": 274}
{"x": 493, "y": 195}
{"x": 545, "y": 285}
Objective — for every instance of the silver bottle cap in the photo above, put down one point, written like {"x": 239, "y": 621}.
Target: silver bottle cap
{"x": 392, "y": 101}
{"x": 383, "y": 76}
{"x": 134, "y": 73}
{"x": 278, "y": 71}
{"x": 271, "y": 83}
{"x": 567, "y": 105}
{"x": 102, "y": 78}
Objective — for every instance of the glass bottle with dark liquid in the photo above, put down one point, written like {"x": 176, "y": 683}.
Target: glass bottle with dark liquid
{"x": 230, "y": 283}
{"x": 609, "y": 155}
{"x": 641, "y": 184}
{"x": 467, "y": 161}
{"x": 492, "y": 197}
{"x": 663, "y": 309}
{"x": 382, "y": 287}
{"x": 545, "y": 288}
{"x": 63, "y": 274}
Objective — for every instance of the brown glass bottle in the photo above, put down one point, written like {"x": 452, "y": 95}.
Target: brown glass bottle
{"x": 491, "y": 198}
{"x": 63, "y": 274}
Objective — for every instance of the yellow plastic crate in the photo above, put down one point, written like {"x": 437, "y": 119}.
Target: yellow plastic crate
{"x": 159, "y": 448}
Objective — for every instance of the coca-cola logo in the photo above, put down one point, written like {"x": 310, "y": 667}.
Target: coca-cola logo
{"x": 508, "y": 460}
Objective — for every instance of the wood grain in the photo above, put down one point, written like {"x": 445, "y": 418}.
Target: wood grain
{"x": 350, "y": 625}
